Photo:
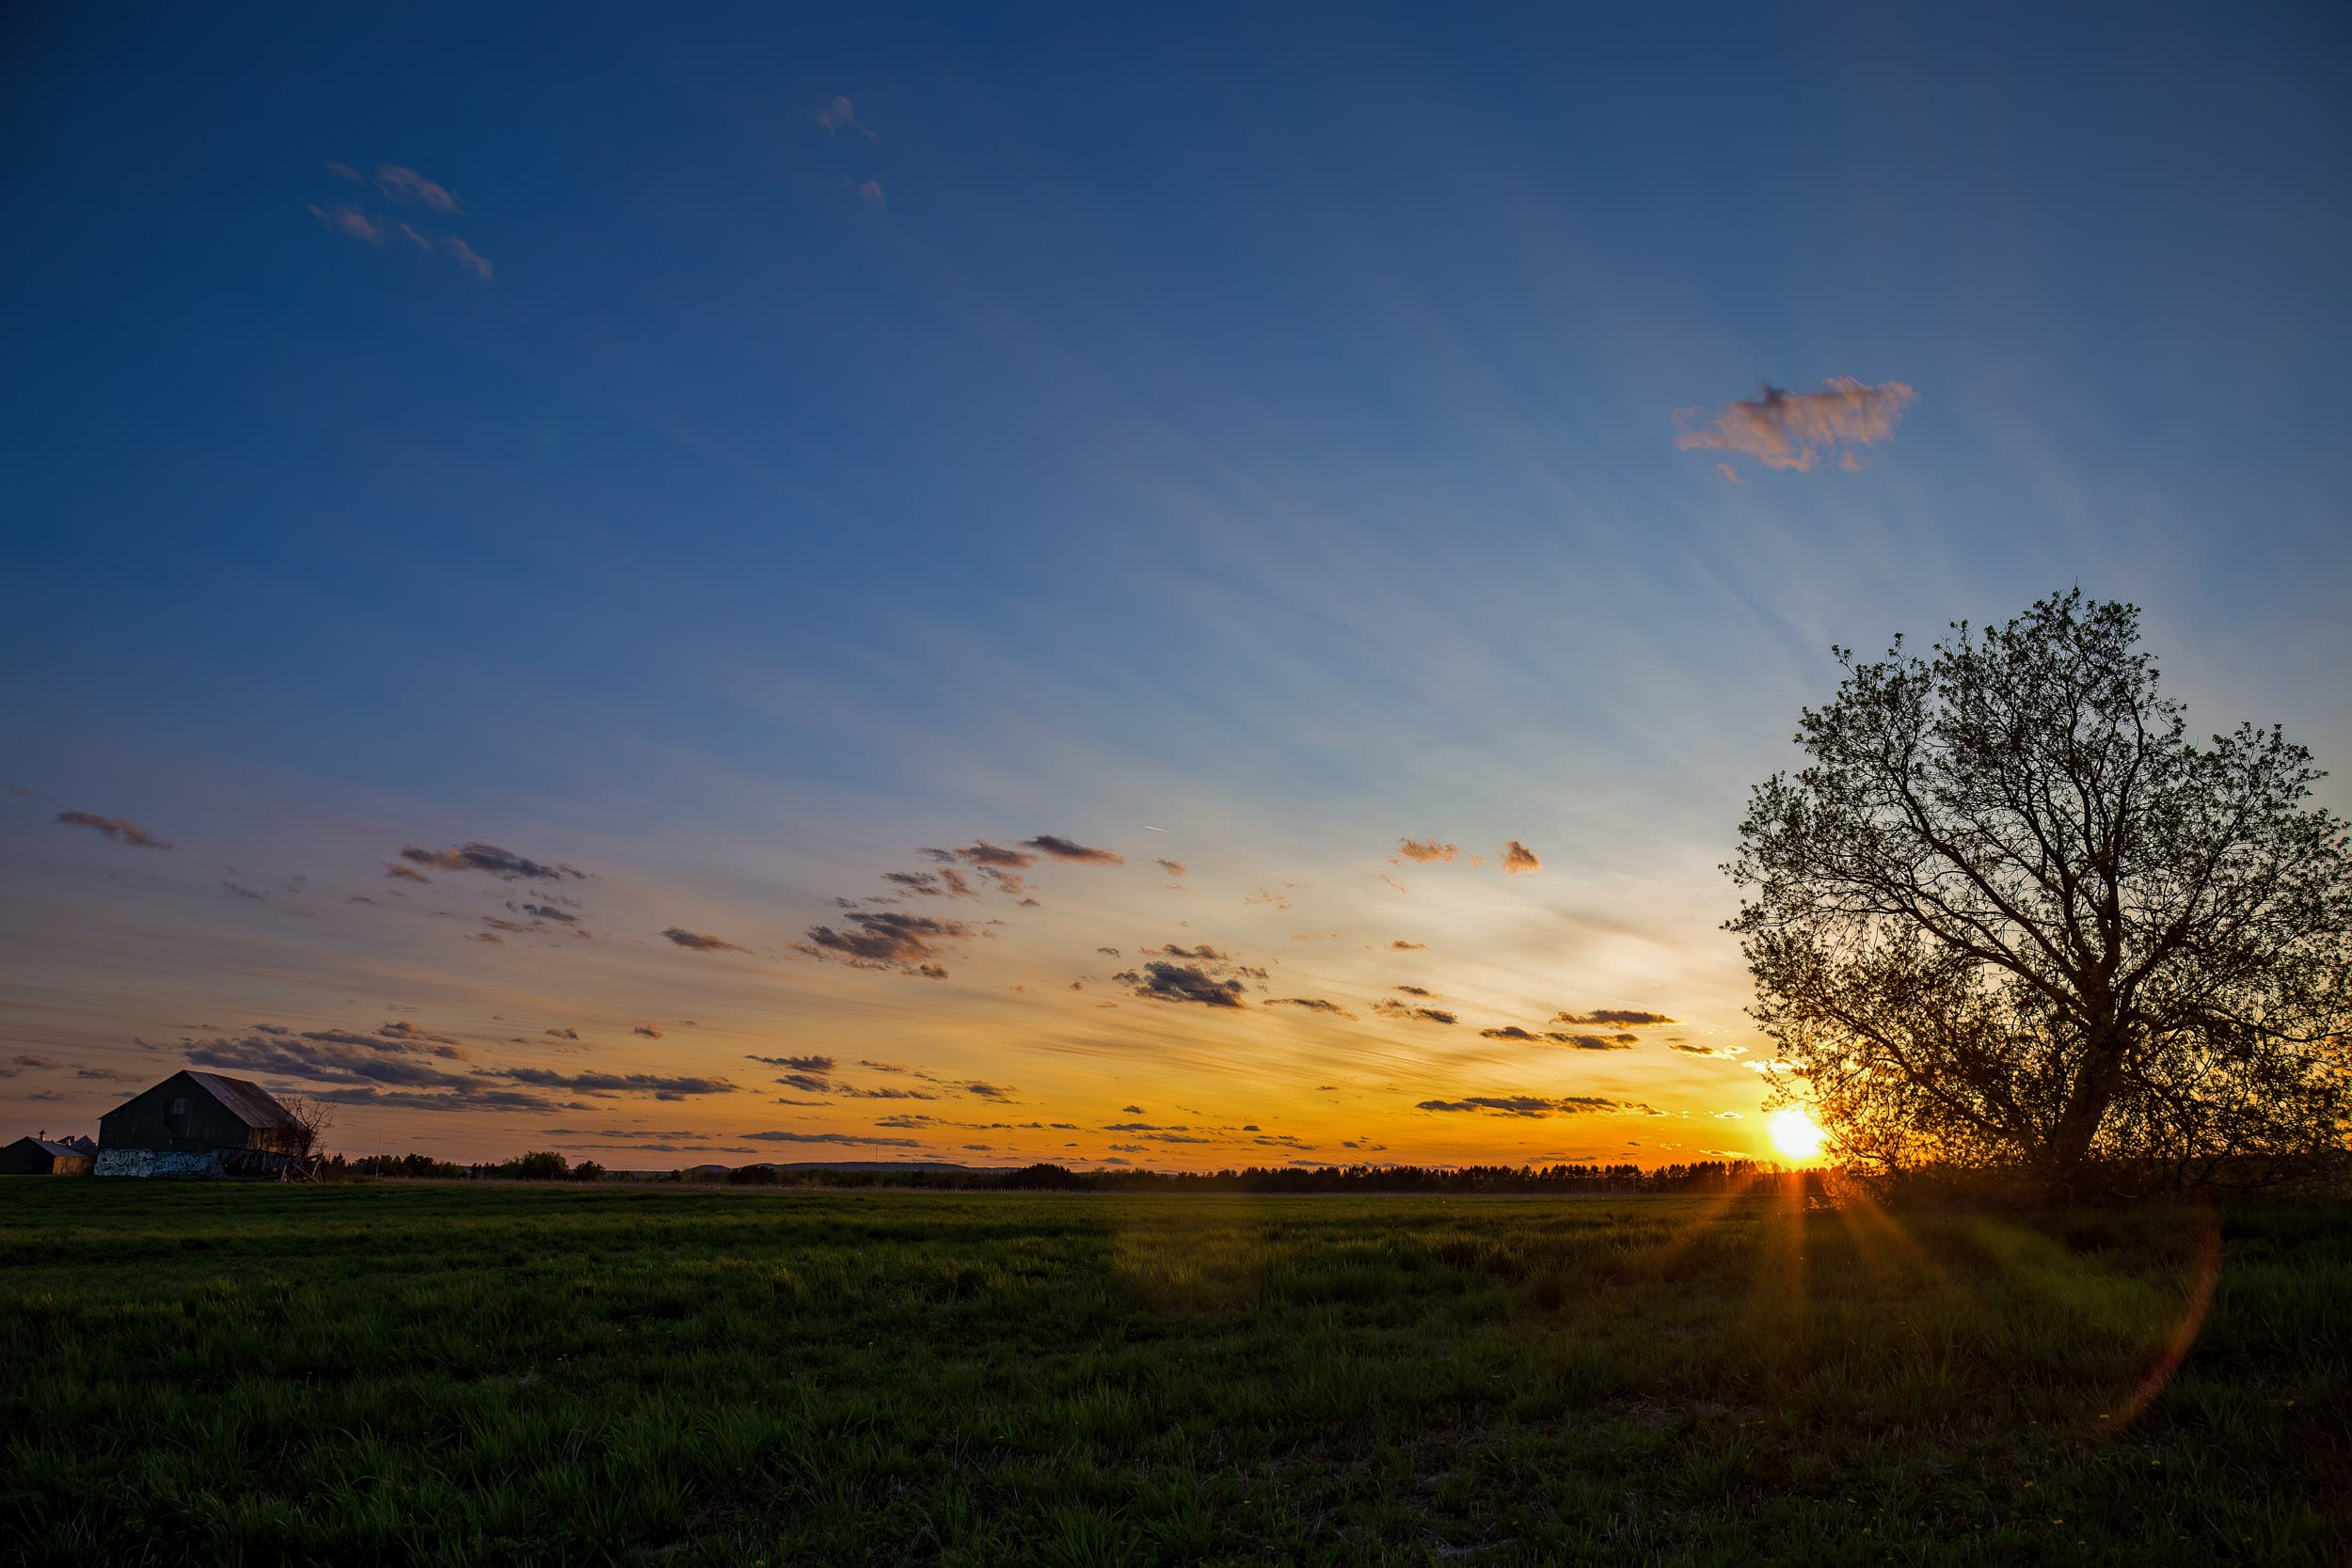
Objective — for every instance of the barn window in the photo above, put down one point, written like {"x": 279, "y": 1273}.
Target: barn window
{"x": 180, "y": 1107}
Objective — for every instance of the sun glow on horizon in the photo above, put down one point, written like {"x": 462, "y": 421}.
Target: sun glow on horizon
{"x": 1794, "y": 1135}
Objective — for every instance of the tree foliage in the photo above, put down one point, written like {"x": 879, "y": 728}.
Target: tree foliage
{"x": 2010, "y": 915}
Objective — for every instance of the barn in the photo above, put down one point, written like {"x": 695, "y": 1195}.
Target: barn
{"x": 47, "y": 1157}
{"x": 200, "y": 1124}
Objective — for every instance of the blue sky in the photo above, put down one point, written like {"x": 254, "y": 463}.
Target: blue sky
{"x": 1261, "y": 428}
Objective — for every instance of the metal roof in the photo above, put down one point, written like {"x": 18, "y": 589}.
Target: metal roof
{"x": 249, "y": 1100}
{"x": 53, "y": 1146}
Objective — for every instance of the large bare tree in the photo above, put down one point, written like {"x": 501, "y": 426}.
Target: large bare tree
{"x": 2011, "y": 915}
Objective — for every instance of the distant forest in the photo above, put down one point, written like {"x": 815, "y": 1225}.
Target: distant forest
{"x": 1705, "y": 1176}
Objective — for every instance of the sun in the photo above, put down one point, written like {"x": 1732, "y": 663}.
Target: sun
{"x": 1794, "y": 1135}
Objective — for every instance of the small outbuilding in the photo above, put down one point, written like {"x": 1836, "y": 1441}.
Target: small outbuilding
{"x": 48, "y": 1157}
{"x": 200, "y": 1124}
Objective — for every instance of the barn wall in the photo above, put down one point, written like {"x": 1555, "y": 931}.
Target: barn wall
{"x": 145, "y": 1121}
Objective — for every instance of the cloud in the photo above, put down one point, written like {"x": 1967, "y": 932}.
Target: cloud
{"x": 1174, "y": 868}
{"x": 243, "y": 892}
{"x": 1416, "y": 990}
{"x": 648, "y": 1029}
{"x": 405, "y": 873}
{"x": 1311, "y": 1003}
{"x": 1727, "y": 1052}
{"x": 1731, "y": 473}
{"x": 1782, "y": 429}
{"x": 467, "y": 256}
{"x": 981, "y": 852}
{"x": 342, "y": 171}
{"x": 1111, "y": 951}
{"x": 797, "y": 1064}
{"x": 698, "y": 941}
{"x": 478, "y": 856}
{"x": 561, "y": 1034}
{"x": 1593, "y": 1043}
{"x": 945, "y": 883}
{"x": 11, "y": 1066}
{"x": 411, "y": 189}
{"x": 1070, "y": 849}
{"x": 1522, "y": 1105}
{"x": 117, "y": 830}
{"x": 548, "y": 911}
{"x": 1401, "y": 945}
{"x": 1519, "y": 859}
{"x": 1511, "y": 1032}
{"x": 401, "y": 1029}
{"x": 1388, "y": 1007}
{"x": 988, "y": 1091}
{"x": 831, "y": 1138}
{"x": 350, "y": 222}
{"x": 871, "y": 193}
{"x": 911, "y": 943}
{"x": 1630, "y": 1018}
{"x": 836, "y": 114}
{"x": 1423, "y": 851}
{"x": 1169, "y": 982}
{"x": 656, "y": 1084}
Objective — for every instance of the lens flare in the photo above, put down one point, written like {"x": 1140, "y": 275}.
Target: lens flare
{"x": 1794, "y": 1135}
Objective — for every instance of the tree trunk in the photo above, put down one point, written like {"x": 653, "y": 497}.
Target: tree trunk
{"x": 2079, "y": 1123}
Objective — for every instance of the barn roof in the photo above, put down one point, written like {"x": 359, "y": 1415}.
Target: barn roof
{"x": 55, "y": 1147}
{"x": 250, "y": 1102}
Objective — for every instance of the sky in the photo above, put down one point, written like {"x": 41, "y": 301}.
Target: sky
{"x": 1180, "y": 590}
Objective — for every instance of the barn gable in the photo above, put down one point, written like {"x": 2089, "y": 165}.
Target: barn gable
{"x": 196, "y": 1111}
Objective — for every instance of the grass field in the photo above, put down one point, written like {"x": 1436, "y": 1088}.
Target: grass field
{"x": 464, "y": 1375}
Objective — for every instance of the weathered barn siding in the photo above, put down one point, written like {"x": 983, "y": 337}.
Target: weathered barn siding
{"x": 44, "y": 1157}
{"x": 195, "y": 1113}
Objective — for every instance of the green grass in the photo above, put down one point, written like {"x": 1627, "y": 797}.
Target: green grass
{"x": 468, "y": 1374}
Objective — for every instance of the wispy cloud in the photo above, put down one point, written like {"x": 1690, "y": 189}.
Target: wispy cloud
{"x": 1782, "y": 429}
{"x": 1388, "y": 1007}
{"x": 117, "y": 830}
{"x": 1519, "y": 859}
{"x": 1632, "y": 1017}
{"x": 837, "y": 113}
{"x": 1311, "y": 1003}
{"x": 871, "y": 193}
{"x": 411, "y": 189}
{"x": 502, "y": 864}
{"x": 701, "y": 942}
{"x": 350, "y": 222}
{"x": 467, "y": 256}
{"x": 1062, "y": 849}
{"x": 1423, "y": 851}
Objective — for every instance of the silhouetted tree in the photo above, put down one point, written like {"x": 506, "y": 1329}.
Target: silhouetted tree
{"x": 2011, "y": 915}
{"x": 311, "y": 1117}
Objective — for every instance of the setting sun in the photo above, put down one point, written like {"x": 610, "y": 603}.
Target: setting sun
{"x": 1793, "y": 1134}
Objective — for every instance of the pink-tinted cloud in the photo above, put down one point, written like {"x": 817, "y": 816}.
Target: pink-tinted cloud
{"x": 871, "y": 193}
{"x": 1782, "y": 429}
{"x": 350, "y": 222}
{"x": 411, "y": 189}
{"x": 468, "y": 257}
{"x": 1519, "y": 859}
{"x": 1423, "y": 851}
{"x": 836, "y": 114}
